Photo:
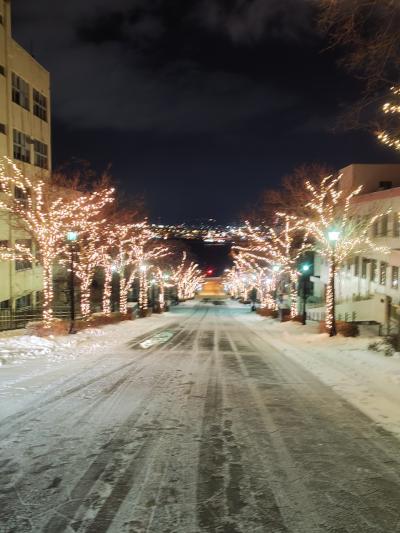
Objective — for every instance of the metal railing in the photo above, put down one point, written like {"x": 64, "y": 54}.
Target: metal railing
{"x": 18, "y": 319}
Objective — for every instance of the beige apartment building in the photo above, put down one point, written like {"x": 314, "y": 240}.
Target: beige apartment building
{"x": 25, "y": 136}
{"x": 368, "y": 286}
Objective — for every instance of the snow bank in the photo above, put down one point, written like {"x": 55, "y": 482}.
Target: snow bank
{"x": 20, "y": 348}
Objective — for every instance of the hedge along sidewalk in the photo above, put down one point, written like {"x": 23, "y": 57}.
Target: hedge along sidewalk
{"x": 366, "y": 379}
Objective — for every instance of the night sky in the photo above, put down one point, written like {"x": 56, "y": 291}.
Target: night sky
{"x": 197, "y": 104}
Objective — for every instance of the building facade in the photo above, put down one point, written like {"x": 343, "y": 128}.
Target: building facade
{"x": 25, "y": 137}
{"x": 367, "y": 286}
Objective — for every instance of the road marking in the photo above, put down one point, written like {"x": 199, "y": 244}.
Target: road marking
{"x": 160, "y": 338}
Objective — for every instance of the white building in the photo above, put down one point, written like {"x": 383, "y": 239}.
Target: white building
{"x": 367, "y": 287}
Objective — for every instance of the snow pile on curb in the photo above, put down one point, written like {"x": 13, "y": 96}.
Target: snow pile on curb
{"x": 18, "y": 349}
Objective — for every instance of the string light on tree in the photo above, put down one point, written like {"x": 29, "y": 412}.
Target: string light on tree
{"x": 391, "y": 109}
{"x": 337, "y": 236}
{"x": 46, "y": 215}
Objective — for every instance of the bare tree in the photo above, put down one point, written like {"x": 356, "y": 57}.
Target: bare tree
{"x": 292, "y": 196}
{"x": 368, "y": 32}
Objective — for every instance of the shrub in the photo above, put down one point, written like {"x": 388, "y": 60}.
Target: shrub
{"x": 58, "y": 327}
{"x": 263, "y": 311}
{"x": 297, "y": 318}
{"x": 388, "y": 345}
{"x": 346, "y": 329}
{"x": 61, "y": 327}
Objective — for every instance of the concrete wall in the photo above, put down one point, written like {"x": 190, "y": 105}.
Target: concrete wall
{"x": 369, "y": 176}
{"x": 375, "y": 309}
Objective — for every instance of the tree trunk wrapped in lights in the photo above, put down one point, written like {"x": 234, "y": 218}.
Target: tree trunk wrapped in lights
{"x": 143, "y": 289}
{"x": 159, "y": 276}
{"x": 46, "y": 215}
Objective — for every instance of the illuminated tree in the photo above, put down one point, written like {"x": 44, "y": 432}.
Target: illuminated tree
{"x": 187, "y": 277}
{"x": 338, "y": 232}
{"x": 89, "y": 257}
{"x": 392, "y": 109}
{"x": 276, "y": 250}
{"x": 130, "y": 252}
{"x": 46, "y": 215}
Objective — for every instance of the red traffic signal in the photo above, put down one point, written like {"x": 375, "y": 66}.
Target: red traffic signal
{"x": 210, "y": 272}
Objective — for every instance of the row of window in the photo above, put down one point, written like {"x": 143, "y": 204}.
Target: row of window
{"x": 22, "y": 150}
{"x": 375, "y": 274}
{"x": 22, "y": 302}
{"x": 380, "y": 228}
{"x": 20, "y": 264}
{"x": 21, "y": 96}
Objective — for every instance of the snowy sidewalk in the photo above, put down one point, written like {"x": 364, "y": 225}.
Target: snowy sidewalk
{"x": 30, "y": 365}
{"x": 368, "y": 380}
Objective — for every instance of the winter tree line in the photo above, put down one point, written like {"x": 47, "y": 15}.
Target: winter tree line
{"x": 64, "y": 216}
{"x": 317, "y": 216}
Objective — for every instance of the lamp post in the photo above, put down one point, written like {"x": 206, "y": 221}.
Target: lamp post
{"x": 333, "y": 236}
{"x": 304, "y": 269}
{"x": 72, "y": 237}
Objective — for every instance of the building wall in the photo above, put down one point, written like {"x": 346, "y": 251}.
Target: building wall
{"x": 16, "y": 283}
{"x": 372, "y": 274}
{"x": 371, "y": 177}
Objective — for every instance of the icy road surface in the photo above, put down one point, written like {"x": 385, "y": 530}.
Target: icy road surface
{"x": 197, "y": 426}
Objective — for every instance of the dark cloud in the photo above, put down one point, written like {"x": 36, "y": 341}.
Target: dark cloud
{"x": 246, "y": 21}
{"x": 200, "y": 104}
{"x": 133, "y": 66}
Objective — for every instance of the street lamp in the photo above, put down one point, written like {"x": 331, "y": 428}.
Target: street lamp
{"x": 305, "y": 268}
{"x": 72, "y": 237}
{"x": 333, "y": 236}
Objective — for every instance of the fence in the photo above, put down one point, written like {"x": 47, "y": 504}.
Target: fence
{"x": 18, "y": 319}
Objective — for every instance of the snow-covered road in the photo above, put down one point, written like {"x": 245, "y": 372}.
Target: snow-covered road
{"x": 197, "y": 426}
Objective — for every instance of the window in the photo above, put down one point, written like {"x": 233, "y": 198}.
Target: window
{"x": 39, "y": 105}
{"x": 382, "y": 273}
{"x": 4, "y": 244}
{"x": 356, "y": 266}
{"x": 22, "y": 148}
{"x": 396, "y": 224}
{"x": 375, "y": 229}
{"x": 395, "y": 277}
{"x": 364, "y": 264}
{"x": 2, "y": 128}
{"x": 21, "y": 194}
{"x": 40, "y": 154}
{"x": 39, "y": 298}
{"x": 5, "y": 304}
{"x": 2, "y": 70}
{"x": 23, "y": 264}
{"x": 384, "y": 225}
{"x": 20, "y": 91}
{"x": 22, "y": 302}
{"x": 372, "y": 272}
